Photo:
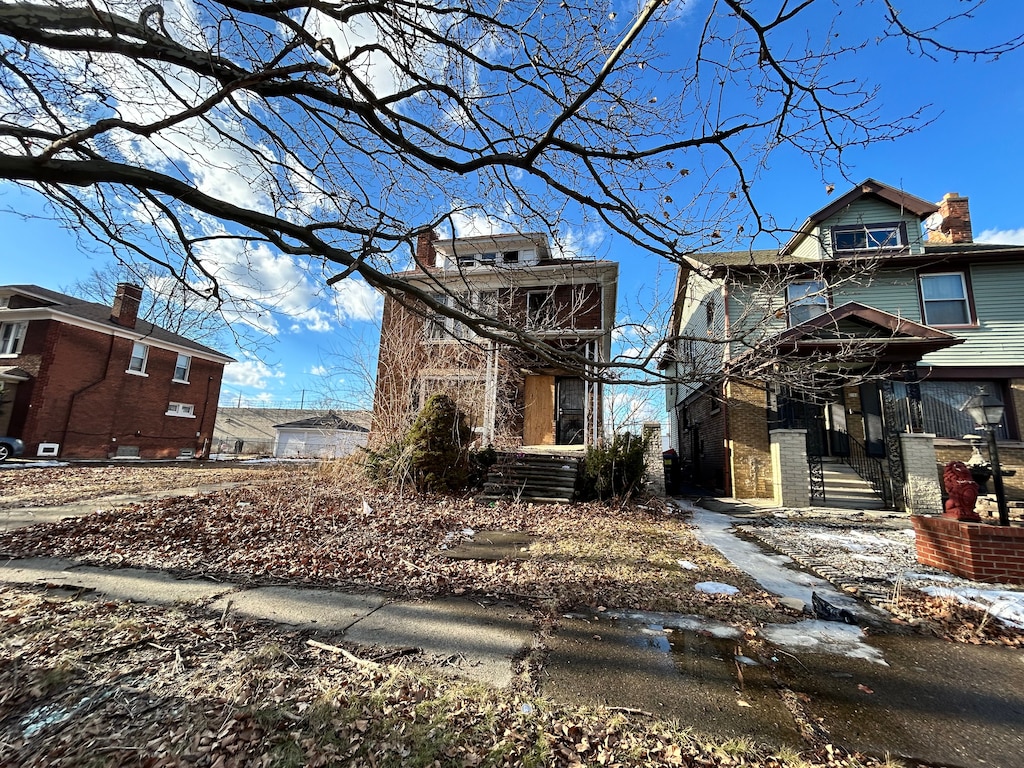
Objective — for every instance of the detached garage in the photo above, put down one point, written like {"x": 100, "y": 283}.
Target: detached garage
{"x": 324, "y": 437}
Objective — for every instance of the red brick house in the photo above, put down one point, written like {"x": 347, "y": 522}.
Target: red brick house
{"x": 512, "y": 397}
{"x": 84, "y": 380}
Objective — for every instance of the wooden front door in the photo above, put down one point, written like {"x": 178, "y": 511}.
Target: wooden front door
{"x": 539, "y": 415}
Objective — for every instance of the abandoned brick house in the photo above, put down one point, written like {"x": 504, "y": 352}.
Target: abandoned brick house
{"x": 877, "y": 320}
{"x": 85, "y": 380}
{"x": 512, "y": 398}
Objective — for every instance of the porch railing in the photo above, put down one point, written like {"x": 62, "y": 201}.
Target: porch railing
{"x": 870, "y": 468}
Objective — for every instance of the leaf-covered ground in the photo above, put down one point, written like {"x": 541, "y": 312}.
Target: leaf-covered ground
{"x": 51, "y": 486}
{"x": 110, "y": 684}
{"x": 324, "y": 525}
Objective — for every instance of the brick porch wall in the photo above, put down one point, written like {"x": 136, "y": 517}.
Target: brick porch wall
{"x": 748, "y": 443}
{"x": 974, "y": 551}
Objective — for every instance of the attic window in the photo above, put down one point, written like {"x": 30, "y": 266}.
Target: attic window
{"x": 488, "y": 258}
{"x": 869, "y": 237}
{"x": 510, "y": 257}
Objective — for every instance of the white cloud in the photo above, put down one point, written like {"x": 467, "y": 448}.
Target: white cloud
{"x": 318, "y": 370}
{"x": 254, "y": 374}
{"x": 1001, "y": 236}
{"x": 355, "y": 299}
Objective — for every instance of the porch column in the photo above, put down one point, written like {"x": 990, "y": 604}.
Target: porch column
{"x": 921, "y": 491}
{"x": 653, "y": 458}
{"x": 790, "y": 476}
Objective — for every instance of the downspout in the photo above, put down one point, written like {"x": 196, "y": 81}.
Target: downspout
{"x": 202, "y": 421}
{"x": 725, "y": 400}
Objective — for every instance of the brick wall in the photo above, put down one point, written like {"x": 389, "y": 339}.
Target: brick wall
{"x": 84, "y": 400}
{"x": 972, "y": 550}
{"x": 702, "y": 441}
{"x": 748, "y": 441}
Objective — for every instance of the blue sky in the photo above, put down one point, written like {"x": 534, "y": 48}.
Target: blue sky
{"x": 322, "y": 346}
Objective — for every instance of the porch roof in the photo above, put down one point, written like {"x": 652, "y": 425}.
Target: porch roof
{"x": 853, "y": 336}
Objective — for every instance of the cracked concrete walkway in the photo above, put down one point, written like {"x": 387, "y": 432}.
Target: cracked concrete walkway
{"x": 477, "y": 641}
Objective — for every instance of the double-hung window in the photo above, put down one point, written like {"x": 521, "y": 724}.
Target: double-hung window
{"x": 12, "y": 336}
{"x": 540, "y": 309}
{"x": 944, "y": 296}
{"x": 181, "y": 368}
{"x": 137, "y": 363}
{"x": 806, "y": 299}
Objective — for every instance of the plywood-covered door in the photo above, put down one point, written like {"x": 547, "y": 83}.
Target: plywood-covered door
{"x": 539, "y": 416}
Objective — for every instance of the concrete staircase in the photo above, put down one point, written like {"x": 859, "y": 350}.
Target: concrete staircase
{"x": 845, "y": 488}
{"x": 536, "y": 477}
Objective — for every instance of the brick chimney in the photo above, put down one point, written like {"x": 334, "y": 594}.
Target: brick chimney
{"x": 426, "y": 256}
{"x": 951, "y": 225}
{"x": 126, "y": 305}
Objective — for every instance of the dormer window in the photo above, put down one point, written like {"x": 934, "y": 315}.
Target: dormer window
{"x": 467, "y": 261}
{"x": 510, "y": 257}
{"x": 488, "y": 259}
{"x": 870, "y": 237}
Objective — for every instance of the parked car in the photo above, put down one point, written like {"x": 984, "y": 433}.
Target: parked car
{"x": 10, "y": 446}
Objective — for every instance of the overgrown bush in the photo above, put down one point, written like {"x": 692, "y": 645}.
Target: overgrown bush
{"x": 615, "y": 470}
{"x": 480, "y": 463}
{"x": 438, "y": 443}
{"x": 390, "y": 466}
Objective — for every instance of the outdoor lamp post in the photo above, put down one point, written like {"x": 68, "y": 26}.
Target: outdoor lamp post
{"x": 987, "y": 411}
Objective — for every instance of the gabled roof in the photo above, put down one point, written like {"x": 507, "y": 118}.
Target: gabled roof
{"x": 854, "y": 333}
{"x": 93, "y": 313}
{"x": 922, "y": 209}
{"x": 327, "y": 421}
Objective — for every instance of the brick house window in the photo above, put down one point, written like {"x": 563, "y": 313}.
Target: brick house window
{"x": 540, "y": 309}
{"x": 12, "y": 336}
{"x": 806, "y": 299}
{"x": 181, "y": 368}
{"x": 945, "y": 299}
{"x": 185, "y": 410}
{"x": 140, "y": 353}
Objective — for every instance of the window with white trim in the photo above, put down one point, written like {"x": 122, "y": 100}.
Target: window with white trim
{"x": 12, "y": 336}
{"x": 944, "y": 296}
{"x": 181, "y": 368}
{"x": 806, "y": 299}
{"x": 185, "y": 410}
{"x": 140, "y": 354}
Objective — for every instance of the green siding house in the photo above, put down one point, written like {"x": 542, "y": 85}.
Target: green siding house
{"x": 877, "y": 319}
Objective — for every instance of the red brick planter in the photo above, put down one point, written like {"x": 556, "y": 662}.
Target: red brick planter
{"x": 975, "y": 551}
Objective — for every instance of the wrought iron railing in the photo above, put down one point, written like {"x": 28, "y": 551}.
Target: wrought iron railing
{"x": 870, "y": 468}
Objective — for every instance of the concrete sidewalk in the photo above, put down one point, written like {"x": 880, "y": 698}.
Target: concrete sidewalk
{"x": 470, "y": 639}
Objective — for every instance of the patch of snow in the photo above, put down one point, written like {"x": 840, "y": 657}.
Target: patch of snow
{"x": 715, "y": 588}
{"x": 1006, "y": 605}
{"x": 823, "y": 637}
{"x": 687, "y": 565}
{"x": 33, "y": 464}
{"x": 770, "y": 571}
